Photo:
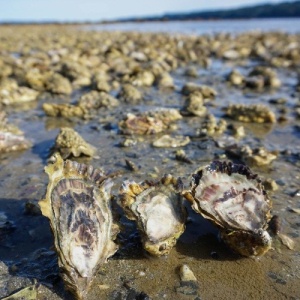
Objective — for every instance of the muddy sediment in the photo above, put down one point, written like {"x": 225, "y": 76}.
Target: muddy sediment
{"x": 141, "y": 75}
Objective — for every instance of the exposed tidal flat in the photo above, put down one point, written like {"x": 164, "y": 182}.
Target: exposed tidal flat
{"x": 142, "y": 105}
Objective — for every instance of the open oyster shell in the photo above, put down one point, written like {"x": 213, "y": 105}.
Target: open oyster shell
{"x": 77, "y": 204}
{"x": 157, "y": 208}
{"x": 233, "y": 199}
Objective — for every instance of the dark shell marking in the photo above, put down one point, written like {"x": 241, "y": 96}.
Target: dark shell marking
{"x": 77, "y": 214}
{"x": 78, "y": 206}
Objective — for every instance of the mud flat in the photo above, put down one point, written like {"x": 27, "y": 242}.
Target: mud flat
{"x": 199, "y": 98}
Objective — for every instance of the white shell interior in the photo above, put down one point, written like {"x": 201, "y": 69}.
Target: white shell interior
{"x": 158, "y": 214}
{"x": 231, "y": 200}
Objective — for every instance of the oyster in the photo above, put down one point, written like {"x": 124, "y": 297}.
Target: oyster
{"x": 95, "y": 100}
{"x": 157, "y": 208}
{"x": 12, "y": 93}
{"x": 130, "y": 94}
{"x": 253, "y": 113}
{"x": 195, "y": 105}
{"x": 69, "y": 142}
{"x": 63, "y": 110}
{"x": 11, "y": 137}
{"x": 149, "y": 122}
{"x": 210, "y": 126}
{"x": 77, "y": 204}
{"x": 233, "y": 199}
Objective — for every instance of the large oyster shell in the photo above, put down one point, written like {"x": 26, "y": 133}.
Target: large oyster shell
{"x": 77, "y": 204}
{"x": 233, "y": 199}
{"x": 157, "y": 208}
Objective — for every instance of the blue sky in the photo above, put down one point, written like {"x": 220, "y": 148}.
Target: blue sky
{"x": 95, "y": 10}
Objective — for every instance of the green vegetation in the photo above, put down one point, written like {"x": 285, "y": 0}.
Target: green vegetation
{"x": 280, "y": 10}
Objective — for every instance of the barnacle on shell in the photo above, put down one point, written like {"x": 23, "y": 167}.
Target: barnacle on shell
{"x": 77, "y": 204}
{"x": 233, "y": 198}
{"x": 157, "y": 208}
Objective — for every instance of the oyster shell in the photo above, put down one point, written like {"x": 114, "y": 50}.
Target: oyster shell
{"x": 171, "y": 141}
{"x": 233, "y": 199}
{"x": 157, "y": 208}
{"x": 253, "y": 113}
{"x": 11, "y": 137}
{"x": 77, "y": 205}
{"x": 70, "y": 143}
{"x": 63, "y": 110}
{"x": 149, "y": 122}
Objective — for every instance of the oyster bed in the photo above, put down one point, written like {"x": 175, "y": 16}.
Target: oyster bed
{"x": 186, "y": 108}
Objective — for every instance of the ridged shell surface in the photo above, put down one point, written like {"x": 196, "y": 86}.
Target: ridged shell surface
{"x": 233, "y": 199}
{"x": 77, "y": 204}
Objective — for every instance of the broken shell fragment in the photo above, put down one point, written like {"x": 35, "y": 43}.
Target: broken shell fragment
{"x": 171, "y": 141}
{"x": 77, "y": 203}
{"x": 157, "y": 208}
{"x": 234, "y": 200}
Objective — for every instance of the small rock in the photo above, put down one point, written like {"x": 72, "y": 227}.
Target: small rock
{"x": 275, "y": 225}
{"x": 165, "y": 80}
{"x": 188, "y": 283}
{"x": 287, "y": 241}
{"x": 236, "y": 78}
{"x": 191, "y": 72}
{"x": 186, "y": 274}
{"x": 181, "y": 156}
{"x": 103, "y": 286}
{"x": 128, "y": 142}
{"x": 131, "y": 165}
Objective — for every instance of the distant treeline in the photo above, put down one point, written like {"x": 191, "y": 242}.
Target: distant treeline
{"x": 280, "y": 10}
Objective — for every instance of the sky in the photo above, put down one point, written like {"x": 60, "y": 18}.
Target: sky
{"x": 99, "y": 10}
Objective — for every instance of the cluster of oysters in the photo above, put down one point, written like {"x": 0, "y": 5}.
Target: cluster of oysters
{"x": 78, "y": 205}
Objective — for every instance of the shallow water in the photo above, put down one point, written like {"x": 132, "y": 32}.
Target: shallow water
{"x": 28, "y": 251}
{"x": 206, "y": 27}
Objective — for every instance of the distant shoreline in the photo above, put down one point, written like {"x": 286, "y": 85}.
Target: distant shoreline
{"x": 289, "y": 10}
{"x": 136, "y": 21}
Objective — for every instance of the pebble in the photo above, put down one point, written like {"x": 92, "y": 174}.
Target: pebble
{"x": 186, "y": 274}
{"x": 188, "y": 283}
